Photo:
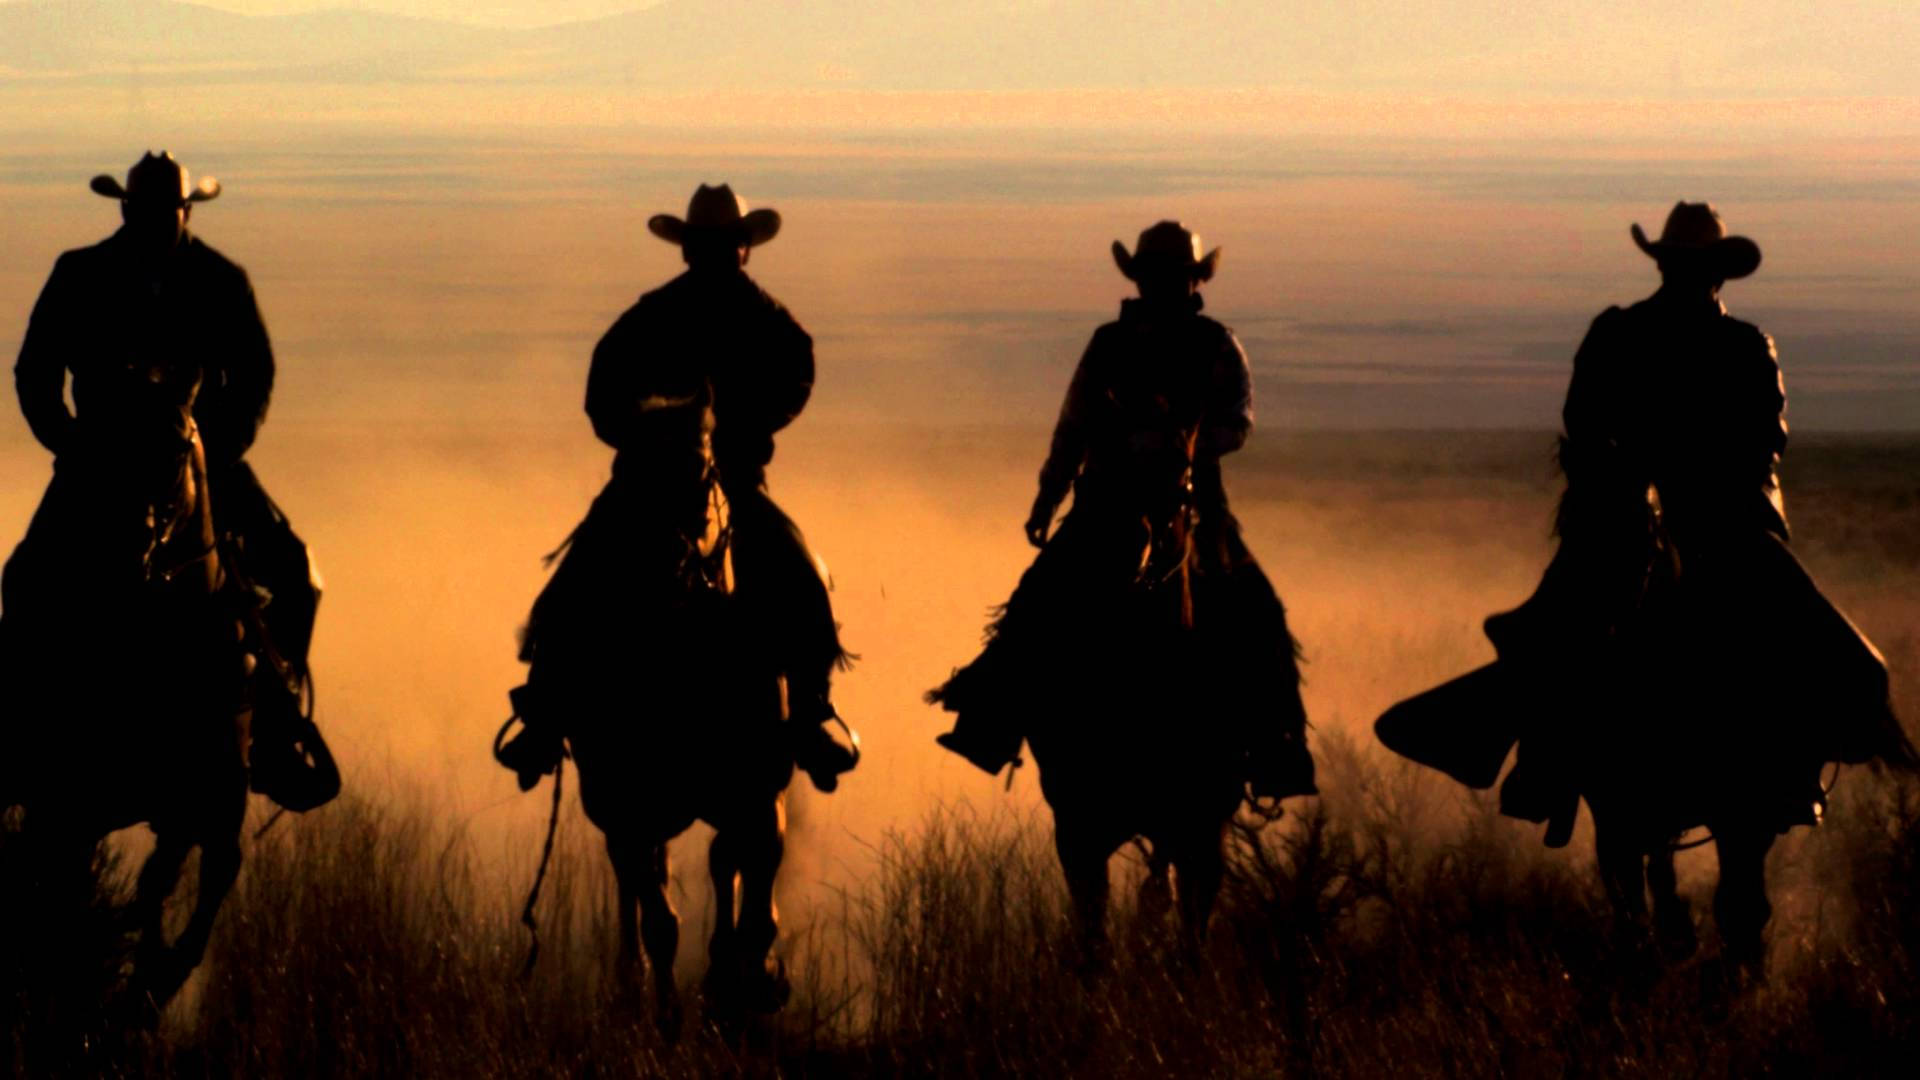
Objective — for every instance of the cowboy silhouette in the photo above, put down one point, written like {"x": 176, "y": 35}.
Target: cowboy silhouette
{"x": 714, "y": 329}
{"x": 1676, "y": 665}
{"x": 1162, "y": 372}
{"x": 150, "y": 304}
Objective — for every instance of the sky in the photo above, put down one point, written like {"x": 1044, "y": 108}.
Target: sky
{"x": 512, "y": 13}
{"x": 1550, "y": 49}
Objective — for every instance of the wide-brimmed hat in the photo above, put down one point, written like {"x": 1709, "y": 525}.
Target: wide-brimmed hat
{"x": 157, "y": 177}
{"x": 715, "y": 210}
{"x": 1167, "y": 243}
{"x": 1695, "y": 236}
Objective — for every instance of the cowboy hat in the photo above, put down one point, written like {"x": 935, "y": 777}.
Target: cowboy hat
{"x": 158, "y": 177}
{"x": 1695, "y": 236}
{"x": 716, "y": 210}
{"x": 1164, "y": 243}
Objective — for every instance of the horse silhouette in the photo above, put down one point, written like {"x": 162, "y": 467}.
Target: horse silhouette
{"x": 126, "y": 669}
{"x": 672, "y": 705}
{"x": 1104, "y": 661}
{"x": 1660, "y": 720}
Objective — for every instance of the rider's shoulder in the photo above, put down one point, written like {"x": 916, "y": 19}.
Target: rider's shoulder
{"x": 664, "y": 292}
{"x": 1616, "y": 316}
{"x": 83, "y": 260}
{"x": 1212, "y": 330}
{"x": 770, "y": 305}
{"x": 209, "y": 261}
{"x": 1746, "y": 335}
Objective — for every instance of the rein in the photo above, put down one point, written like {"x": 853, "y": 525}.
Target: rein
{"x": 180, "y": 507}
{"x": 527, "y": 918}
{"x": 207, "y": 552}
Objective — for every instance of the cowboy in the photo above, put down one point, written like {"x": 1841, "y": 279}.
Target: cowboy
{"x": 1161, "y": 349}
{"x": 155, "y": 291}
{"x": 714, "y": 326}
{"x": 1673, "y": 568}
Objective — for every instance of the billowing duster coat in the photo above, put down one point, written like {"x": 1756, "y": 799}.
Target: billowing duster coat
{"x": 1675, "y": 647}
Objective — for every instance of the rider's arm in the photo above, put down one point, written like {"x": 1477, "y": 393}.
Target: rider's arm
{"x": 1229, "y": 415}
{"x": 1770, "y": 389}
{"x": 789, "y": 382}
{"x": 1588, "y": 414}
{"x": 239, "y": 402}
{"x": 40, "y": 374}
{"x": 610, "y": 382}
{"x": 1069, "y": 448}
{"x": 1769, "y": 419}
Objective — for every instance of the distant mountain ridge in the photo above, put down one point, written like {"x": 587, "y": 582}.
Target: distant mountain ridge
{"x": 1477, "y": 46}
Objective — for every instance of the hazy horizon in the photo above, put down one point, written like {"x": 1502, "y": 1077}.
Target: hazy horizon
{"x": 1387, "y": 283}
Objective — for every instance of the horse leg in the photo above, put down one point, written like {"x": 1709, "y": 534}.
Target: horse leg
{"x": 762, "y": 845}
{"x": 219, "y": 868}
{"x": 168, "y": 967}
{"x": 56, "y": 919}
{"x": 1083, "y": 859}
{"x": 660, "y": 930}
{"x": 1156, "y": 891}
{"x": 722, "y": 965}
{"x": 1201, "y": 866}
{"x": 1622, "y": 860}
{"x": 641, "y": 870}
{"x": 1623, "y": 872}
{"x": 159, "y": 876}
{"x": 1672, "y": 915}
{"x": 1740, "y": 905}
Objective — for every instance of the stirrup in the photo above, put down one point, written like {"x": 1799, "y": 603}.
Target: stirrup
{"x": 820, "y": 756}
{"x": 524, "y": 755}
{"x": 293, "y": 765}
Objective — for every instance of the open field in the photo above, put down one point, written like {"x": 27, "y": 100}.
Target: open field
{"x": 1394, "y": 926}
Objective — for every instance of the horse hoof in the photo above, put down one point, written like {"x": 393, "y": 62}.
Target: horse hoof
{"x": 669, "y": 1017}
{"x": 1677, "y": 938}
{"x": 135, "y": 1009}
{"x": 157, "y": 977}
{"x": 768, "y": 990}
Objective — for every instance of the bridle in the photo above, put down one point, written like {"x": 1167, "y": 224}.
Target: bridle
{"x": 704, "y": 565}
{"x": 172, "y": 508}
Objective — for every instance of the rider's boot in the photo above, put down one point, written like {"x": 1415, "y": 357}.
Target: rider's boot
{"x": 988, "y": 751}
{"x": 274, "y": 762}
{"x": 987, "y": 740}
{"x": 536, "y": 751}
{"x": 287, "y": 760}
{"x": 1279, "y": 766}
{"x": 1536, "y": 790}
{"x": 824, "y": 745}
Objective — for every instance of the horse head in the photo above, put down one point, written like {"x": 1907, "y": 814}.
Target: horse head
{"x": 146, "y": 454}
{"x": 669, "y": 460}
{"x": 1156, "y": 477}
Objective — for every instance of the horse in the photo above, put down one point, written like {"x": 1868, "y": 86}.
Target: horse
{"x": 673, "y": 708}
{"x": 1629, "y": 680}
{"x": 1146, "y": 750}
{"x": 123, "y": 649}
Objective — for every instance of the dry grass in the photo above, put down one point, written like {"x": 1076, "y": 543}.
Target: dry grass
{"x": 1357, "y": 939}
